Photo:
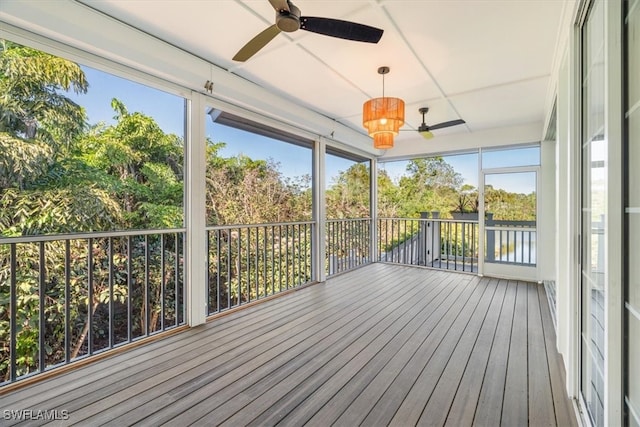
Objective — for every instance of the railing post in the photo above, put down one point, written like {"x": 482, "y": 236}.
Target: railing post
{"x": 491, "y": 238}
{"x": 422, "y": 238}
{"x": 436, "y": 242}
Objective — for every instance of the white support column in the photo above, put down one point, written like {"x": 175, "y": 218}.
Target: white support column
{"x": 318, "y": 247}
{"x": 546, "y": 224}
{"x": 568, "y": 211}
{"x": 614, "y": 302}
{"x": 565, "y": 237}
{"x": 373, "y": 209}
{"x": 196, "y": 250}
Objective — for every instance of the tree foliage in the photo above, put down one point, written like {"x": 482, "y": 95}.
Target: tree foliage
{"x": 31, "y": 103}
{"x": 241, "y": 190}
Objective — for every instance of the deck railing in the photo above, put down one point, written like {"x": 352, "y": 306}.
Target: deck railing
{"x": 348, "y": 243}
{"x": 440, "y": 243}
{"x": 250, "y": 262}
{"x": 66, "y": 297}
{"x": 511, "y": 242}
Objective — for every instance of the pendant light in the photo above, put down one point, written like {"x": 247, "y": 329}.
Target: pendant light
{"x": 383, "y": 117}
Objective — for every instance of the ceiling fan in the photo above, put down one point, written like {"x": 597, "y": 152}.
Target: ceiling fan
{"x": 288, "y": 19}
{"x": 425, "y": 130}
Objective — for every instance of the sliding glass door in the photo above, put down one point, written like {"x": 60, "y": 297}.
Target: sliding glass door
{"x": 594, "y": 214}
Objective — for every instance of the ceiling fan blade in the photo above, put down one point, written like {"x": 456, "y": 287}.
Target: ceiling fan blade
{"x": 447, "y": 124}
{"x": 279, "y": 5}
{"x": 256, "y": 43}
{"x": 341, "y": 29}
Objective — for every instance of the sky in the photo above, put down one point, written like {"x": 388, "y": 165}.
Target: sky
{"x": 168, "y": 111}
{"x": 467, "y": 166}
{"x": 294, "y": 161}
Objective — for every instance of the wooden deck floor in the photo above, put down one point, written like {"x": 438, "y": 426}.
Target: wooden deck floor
{"x": 382, "y": 345}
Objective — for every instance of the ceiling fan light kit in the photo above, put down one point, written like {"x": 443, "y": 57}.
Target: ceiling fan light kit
{"x": 383, "y": 117}
{"x": 426, "y": 134}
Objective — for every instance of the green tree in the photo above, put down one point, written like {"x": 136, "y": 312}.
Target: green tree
{"x": 389, "y": 196}
{"x": 241, "y": 190}
{"x": 431, "y": 185}
{"x": 349, "y": 195}
{"x": 136, "y": 162}
{"x": 31, "y": 103}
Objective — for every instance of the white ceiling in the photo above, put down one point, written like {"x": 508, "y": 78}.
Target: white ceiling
{"x": 488, "y": 62}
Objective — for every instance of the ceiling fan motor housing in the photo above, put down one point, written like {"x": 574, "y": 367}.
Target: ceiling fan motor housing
{"x": 288, "y": 21}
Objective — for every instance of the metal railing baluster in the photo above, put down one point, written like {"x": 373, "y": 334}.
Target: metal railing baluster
{"x": 218, "y": 235}
{"x": 162, "y": 281}
{"x": 13, "y": 313}
{"x": 147, "y": 296}
{"x": 176, "y": 269}
{"x": 129, "y": 294}
{"x": 207, "y": 262}
{"x": 67, "y": 299}
{"x": 280, "y": 258}
{"x": 264, "y": 262}
{"x": 256, "y": 265}
{"x": 41, "y": 307}
{"x": 248, "y": 271}
{"x": 90, "y": 296}
{"x": 228, "y": 269}
{"x": 110, "y": 280}
{"x": 239, "y": 267}
{"x": 273, "y": 259}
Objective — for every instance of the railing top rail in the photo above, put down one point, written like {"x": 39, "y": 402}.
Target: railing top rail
{"x": 87, "y": 235}
{"x": 513, "y": 223}
{"x": 274, "y": 224}
{"x": 347, "y": 219}
{"x": 469, "y": 221}
{"x": 503, "y": 228}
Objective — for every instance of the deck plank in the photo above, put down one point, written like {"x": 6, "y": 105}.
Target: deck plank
{"x": 564, "y": 413}
{"x": 383, "y": 344}
{"x": 464, "y": 404}
{"x": 426, "y": 338}
{"x": 389, "y": 360}
{"x": 515, "y": 405}
{"x": 357, "y": 352}
{"x": 541, "y": 411}
{"x": 436, "y": 411}
{"x": 445, "y": 368}
{"x": 291, "y": 377}
{"x": 394, "y": 396}
{"x": 368, "y": 362}
{"x": 489, "y": 406}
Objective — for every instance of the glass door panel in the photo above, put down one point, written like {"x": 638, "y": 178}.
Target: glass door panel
{"x": 510, "y": 207}
{"x": 594, "y": 202}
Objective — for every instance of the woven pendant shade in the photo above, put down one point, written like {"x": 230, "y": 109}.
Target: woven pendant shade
{"x": 383, "y": 141}
{"x": 383, "y": 118}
